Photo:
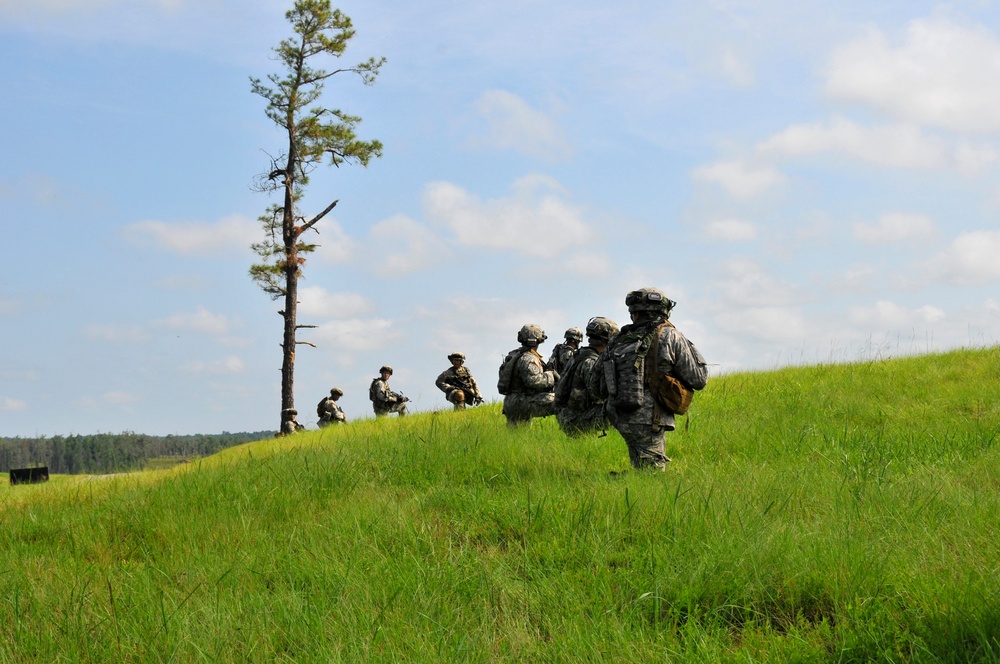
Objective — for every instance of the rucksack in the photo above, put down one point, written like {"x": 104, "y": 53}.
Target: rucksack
{"x": 630, "y": 364}
{"x": 669, "y": 392}
{"x": 507, "y": 370}
{"x": 564, "y": 386}
{"x": 372, "y": 391}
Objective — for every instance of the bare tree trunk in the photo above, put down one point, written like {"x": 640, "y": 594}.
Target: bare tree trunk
{"x": 290, "y": 237}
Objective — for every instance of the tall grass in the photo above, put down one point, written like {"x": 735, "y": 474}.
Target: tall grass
{"x": 832, "y": 513}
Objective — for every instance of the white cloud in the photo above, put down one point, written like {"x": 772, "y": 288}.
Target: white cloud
{"x": 117, "y": 398}
{"x": 887, "y": 316}
{"x": 740, "y": 179}
{"x": 586, "y": 264}
{"x": 942, "y": 75}
{"x": 857, "y": 279}
{"x": 970, "y": 260}
{"x": 404, "y": 246}
{"x": 536, "y": 220}
{"x": 9, "y": 306}
{"x": 743, "y": 282}
{"x": 895, "y": 227}
{"x": 731, "y": 230}
{"x": 897, "y": 146}
{"x": 12, "y": 405}
{"x": 357, "y": 334}
{"x": 201, "y": 320}
{"x": 335, "y": 245}
{"x": 192, "y": 238}
{"x": 231, "y": 364}
{"x": 514, "y": 125}
{"x": 321, "y": 303}
{"x": 116, "y": 333}
{"x": 772, "y": 324}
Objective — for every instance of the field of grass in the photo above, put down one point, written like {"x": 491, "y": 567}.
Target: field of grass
{"x": 834, "y": 513}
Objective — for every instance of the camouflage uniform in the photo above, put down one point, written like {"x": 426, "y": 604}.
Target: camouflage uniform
{"x": 644, "y": 429}
{"x": 458, "y": 384}
{"x": 384, "y": 400}
{"x": 530, "y": 394}
{"x": 562, "y": 353}
{"x": 579, "y": 410}
{"x": 329, "y": 411}
{"x": 576, "y": 411}
{"x": 289, "y": 424}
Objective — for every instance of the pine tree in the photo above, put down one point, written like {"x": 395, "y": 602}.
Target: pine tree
{"x": 315, "y": 134}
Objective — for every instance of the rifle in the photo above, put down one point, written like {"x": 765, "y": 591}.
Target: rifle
{"x": 398, "y": 396}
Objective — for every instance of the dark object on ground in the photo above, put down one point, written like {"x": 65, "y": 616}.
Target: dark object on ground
{"x": 29, "y": 475}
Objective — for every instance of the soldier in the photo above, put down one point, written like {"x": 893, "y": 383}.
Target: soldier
{"x": 329, "y": 411}
{"x": 458, "y": 384}
{"x": 289, "y": 424}
{"x": 524, "y": 381}
{"x": 384, "y": 400}
{"x": 562, "y": 353}
{"x": 577, "y": 409}
{"x": 638, "y": 362}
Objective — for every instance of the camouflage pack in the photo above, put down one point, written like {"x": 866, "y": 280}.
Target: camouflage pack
{"x": 507, "y": 370}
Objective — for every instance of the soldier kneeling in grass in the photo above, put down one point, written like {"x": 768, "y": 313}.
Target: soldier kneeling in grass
{"x": 458, "y": 384}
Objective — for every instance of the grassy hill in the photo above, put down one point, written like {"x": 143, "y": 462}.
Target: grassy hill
{"x": 833, "y": 513}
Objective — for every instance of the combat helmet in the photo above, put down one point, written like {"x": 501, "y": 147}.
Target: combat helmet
{"x": 386, "y": 369}
{"x": 531, "y": 335}
{"x": 336, "y": 392}
{"x": 601, "y": 328}
{"x": 649, "y": 299}
{"x": 457, "y": 356}
{"x": 574, "y": 334}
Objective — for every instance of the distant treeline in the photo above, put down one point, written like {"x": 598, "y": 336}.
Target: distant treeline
{"x": 112, "y": 452}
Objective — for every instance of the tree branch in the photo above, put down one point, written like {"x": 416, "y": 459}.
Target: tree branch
{"x": 319, "y": 216}
{"x": 305, "y": 343}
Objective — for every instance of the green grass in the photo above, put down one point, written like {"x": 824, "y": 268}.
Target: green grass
{"x": 835, "y": 513}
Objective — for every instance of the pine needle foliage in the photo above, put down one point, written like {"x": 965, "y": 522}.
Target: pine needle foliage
{"x": 822, "y": 514}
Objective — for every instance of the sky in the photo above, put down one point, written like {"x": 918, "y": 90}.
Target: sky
{"x": 811, "y": 182}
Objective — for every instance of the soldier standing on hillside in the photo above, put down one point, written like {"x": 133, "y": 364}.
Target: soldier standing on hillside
{"x": 458, "y": 384}
{"x": 577, "y": 410}
{"x": 384, "y": 400}
{"x": 650, "y": 351}
{"x": 562, "y": 353}
{"x": 524, "y": 381}
{"x": 329, "y": 411}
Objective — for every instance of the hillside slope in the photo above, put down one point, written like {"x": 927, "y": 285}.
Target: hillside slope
{"x": 834, "y": 513}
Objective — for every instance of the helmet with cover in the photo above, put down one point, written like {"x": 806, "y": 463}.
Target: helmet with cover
{"x": 574, "y": 335}
{"x": 386, "y": 369}
{"x": 457, "y": 356}
{"x": 531, "y": 335}
{"x": 600, "y": 328}
{"x": 649, "y": 299}
{"x": 336, "y": 392}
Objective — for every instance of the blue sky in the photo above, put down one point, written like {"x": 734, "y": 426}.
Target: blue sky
{"x": 812, "y": 182}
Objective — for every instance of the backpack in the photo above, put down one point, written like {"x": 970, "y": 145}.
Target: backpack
{"x": 506, "y": 380}
{"x": 670, "y": 392}
{"x": 321, "y": 407}
{"x": 564, "y": 386}
{"x": 372, "y": 391}
{"x": 629, "y": 365}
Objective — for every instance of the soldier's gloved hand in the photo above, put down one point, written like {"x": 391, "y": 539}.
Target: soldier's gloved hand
{"x": 555, "y": 375}
{"x": 477, "y": 400}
